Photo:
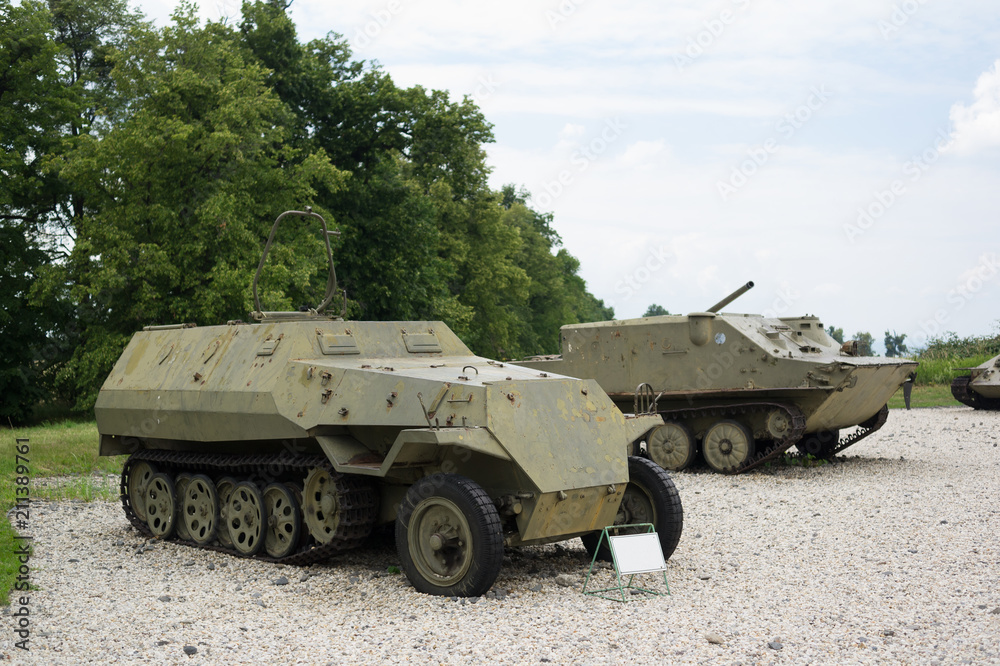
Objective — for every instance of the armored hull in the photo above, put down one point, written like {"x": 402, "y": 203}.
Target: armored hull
{"x": 291, "y": 438}
{"x": 980, "y": 389}
{"x": 739, "y": 388}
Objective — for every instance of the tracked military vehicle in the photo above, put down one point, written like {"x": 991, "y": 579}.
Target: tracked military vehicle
{"x": 739, "y": 388}
{"x": 291, "y": 438}
{"x": 980, "y": 389}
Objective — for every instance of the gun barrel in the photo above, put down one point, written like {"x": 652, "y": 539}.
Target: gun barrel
{"x": 731, "y": 297}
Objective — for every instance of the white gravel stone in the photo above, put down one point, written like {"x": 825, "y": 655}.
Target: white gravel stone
{"x": 889, "y": 555}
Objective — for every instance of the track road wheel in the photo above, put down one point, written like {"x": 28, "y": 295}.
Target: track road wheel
{"x": 138, "y": 479}
{"x": 161, "y": 506}
{"x": 200, "y": 513}
{"x": 650, "y": 497}
{"x": 247, "y": 518}
{"x": 321, "y": 505}
{"x": 819, "y": 444}
{"x": 284, "y": 520}
{"x": 727, "y": 445}
{"x": 180, "y": 488}
{"x": 448, "y": 536}
{"x": 671, "y": 446}
{"x": 224, "y": 490}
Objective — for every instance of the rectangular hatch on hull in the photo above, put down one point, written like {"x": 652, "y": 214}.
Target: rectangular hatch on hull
{"x": 333, "y": 345}
{"x": 421, "y": 343}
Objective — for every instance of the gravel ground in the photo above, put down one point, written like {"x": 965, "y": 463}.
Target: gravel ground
{"x": 888, "y": 555}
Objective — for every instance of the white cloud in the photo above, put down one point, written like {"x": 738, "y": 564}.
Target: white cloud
{"x": 550, "y": 90}
{"x": 641, "y": 154}
{"x": 572, "y": 129}
{"x": 978, "y": 126}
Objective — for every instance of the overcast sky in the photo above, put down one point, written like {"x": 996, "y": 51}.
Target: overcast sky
{"x": 845, "y": 156}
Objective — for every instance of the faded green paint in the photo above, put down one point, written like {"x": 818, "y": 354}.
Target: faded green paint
{"x": 707, "y": 358}
{"x": 985, "y": 379}
{"x": 390, "y": 400}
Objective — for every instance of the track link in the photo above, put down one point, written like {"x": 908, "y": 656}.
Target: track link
{"x": 864, "y": 429}
{"x": 359, "y": 496}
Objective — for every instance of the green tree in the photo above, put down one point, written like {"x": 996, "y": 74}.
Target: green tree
{"x": 866, "y": 343}
{"x": 423, "y": 236}
{"x": 23, "y": 326}
{"x": 836, "y": 333}
{"x": 35, "y": 106}
{"x": 894, "y": 344}
{"x": 655, "y": 310}
{"x": 557, "y": 295}
{"x": 181, "y": 193}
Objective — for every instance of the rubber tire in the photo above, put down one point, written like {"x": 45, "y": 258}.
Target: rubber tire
{"x": 668, "y": 514}
{"x": 818, "y": 444}
{"x": 485, "y": 530}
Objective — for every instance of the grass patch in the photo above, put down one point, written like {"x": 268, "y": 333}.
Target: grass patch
{"x": 84, "y": 488}
{"x": 943, "y": 370}
{"x": 935, "y": 395}
{"x": 65, "y": 448}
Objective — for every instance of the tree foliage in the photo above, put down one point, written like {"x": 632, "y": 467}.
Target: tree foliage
{"x": 894, "y": 344}
{"x": 655, "y": 310}
{"x": 157, "y": 158}
{"x": 951, "y": 346}
{"x": 866, "y": 343}
{"x": 836, "y": 333}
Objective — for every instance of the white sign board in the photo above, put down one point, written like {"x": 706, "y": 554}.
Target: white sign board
{"x": 637, "y": 553}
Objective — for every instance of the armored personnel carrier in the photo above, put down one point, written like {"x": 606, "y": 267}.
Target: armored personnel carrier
{"x": 739, "y": 388}
{"x": 980, "y": 389}
{"x": 290, "y": 438}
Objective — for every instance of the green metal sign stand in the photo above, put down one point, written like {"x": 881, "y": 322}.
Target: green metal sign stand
{"x": 631, "y": 554}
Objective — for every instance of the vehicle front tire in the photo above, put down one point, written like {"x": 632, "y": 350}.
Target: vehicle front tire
{"x": 448, "y": 536}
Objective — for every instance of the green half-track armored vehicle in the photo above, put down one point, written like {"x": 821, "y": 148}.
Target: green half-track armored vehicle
{"x": 980, "y": 389}
{"x": 291, "y": 438}
{"x": 739, "y": 388}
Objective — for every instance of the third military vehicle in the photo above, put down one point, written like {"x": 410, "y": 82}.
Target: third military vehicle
{"x": 739, "y": 388}
{"x": 980, "y": 389}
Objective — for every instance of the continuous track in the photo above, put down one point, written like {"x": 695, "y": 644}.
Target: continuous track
{"x": 965, "y": 395}
{"x": 358, "y": 499}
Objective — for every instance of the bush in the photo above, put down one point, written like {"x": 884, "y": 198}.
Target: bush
{"x": 947, "y": 357}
